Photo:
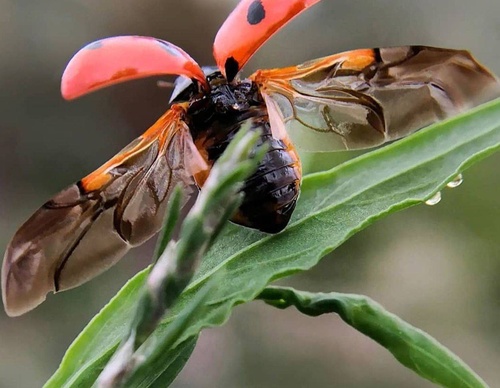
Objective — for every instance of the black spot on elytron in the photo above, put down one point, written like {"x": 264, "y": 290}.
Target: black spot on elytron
{"x": 168, "y": 48}
{"x": 94, "y": 45}
{"x": 256, "y": 12}
{"x": 232, "y": 67}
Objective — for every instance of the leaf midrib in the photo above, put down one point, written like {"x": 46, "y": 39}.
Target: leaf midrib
{"x": 329, "y": 208}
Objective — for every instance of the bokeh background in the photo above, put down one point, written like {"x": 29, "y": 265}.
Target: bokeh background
{"x": 436, "y": 267}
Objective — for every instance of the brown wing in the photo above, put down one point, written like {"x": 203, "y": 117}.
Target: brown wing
{"x": 88, "y": 227}
{"x": 363, "y": 98}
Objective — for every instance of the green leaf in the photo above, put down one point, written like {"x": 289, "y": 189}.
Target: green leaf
{"x": 333, "y": 206}
{"x": 178, "y": 261}
{"x": 91, "y": 350}
{"x": 412, "y": 347}
{"x": 160, "y": 368}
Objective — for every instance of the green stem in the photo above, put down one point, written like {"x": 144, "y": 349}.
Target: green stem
{"x": 177, "y": 261}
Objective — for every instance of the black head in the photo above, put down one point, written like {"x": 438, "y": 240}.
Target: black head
{"x": 185, "y": 88}
{"x": 223, "y": 98}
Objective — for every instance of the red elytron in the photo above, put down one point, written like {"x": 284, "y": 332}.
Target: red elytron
{"x": 352, "y": 100}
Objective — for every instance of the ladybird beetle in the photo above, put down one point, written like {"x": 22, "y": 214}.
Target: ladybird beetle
{"x": 352, "y": 100}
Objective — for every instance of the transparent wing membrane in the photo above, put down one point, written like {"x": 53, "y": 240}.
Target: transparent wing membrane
{"x": 363, "y": 98}
{"x": 88, "y": 227}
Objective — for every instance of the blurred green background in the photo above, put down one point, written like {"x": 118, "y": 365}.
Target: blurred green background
{"x": 436, "y": 267}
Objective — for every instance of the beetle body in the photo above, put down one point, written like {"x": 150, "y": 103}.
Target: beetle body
{"x": 214, "y": 118}
{"x": 351, "y": 100}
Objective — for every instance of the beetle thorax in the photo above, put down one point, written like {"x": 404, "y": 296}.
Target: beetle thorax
{"x": 231, "y": 97}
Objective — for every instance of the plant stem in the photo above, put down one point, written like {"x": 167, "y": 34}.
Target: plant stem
{"x": 178, "y": 260}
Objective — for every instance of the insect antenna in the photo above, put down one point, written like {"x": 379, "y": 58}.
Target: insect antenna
{"x": 165, "y": 84}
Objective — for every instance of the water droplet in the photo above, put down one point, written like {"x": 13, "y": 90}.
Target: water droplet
{"x": 457, "y": 181}
{"x": 434, "y": 200}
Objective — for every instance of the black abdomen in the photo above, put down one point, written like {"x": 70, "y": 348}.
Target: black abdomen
{"x": 272, "y": 191}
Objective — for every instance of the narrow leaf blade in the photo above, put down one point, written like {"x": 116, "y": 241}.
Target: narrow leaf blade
{"x": 333, "y": 206}
{"x": 411, "y": 346}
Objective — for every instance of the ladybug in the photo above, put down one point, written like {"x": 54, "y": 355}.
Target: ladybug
{"x": 352, "y": 100}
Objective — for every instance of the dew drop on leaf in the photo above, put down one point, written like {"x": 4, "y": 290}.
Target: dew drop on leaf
{"x": 434, "y": 200}
{"x": 457, "y": 181}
